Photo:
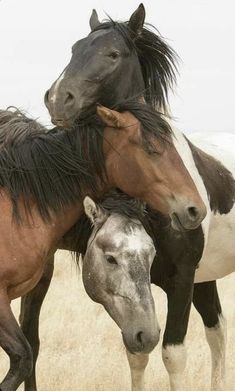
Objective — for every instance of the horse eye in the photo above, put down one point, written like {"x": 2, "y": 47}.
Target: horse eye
{"x": 110, "y": 259}
{"x": 114, "y": 55}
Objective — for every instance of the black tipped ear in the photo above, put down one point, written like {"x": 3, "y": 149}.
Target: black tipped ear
{"x": 94, "y": 20}
{"x": 136, "y": 21}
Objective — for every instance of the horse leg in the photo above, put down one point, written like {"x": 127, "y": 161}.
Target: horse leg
{"x": 13, "y": 341}
{"x": 137, "y": 363}
{"x": 29, "y": 317}
{"x": 207, "y": 303}
{"x": 179, "y": 294}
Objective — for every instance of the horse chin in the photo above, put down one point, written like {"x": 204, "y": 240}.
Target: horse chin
{"x": 176, "y": 224}
{"x": 63, "y": 123}
{"x": 81, "y": 114}
{"x": 146, "y": 347}
{"x": 130, "y": 350}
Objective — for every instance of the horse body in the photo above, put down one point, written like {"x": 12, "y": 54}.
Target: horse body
{"x": 218, "y": 258}
{"x": 199, "y": 257}
{"x": 28, "y": 244}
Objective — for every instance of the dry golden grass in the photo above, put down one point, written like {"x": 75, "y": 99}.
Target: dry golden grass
{"x": 81, "y": 347}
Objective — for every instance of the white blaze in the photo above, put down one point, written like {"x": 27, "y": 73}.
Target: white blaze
{"x": 56, "y": 86}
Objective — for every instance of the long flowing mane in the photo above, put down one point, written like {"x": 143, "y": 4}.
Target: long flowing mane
{"x": 158, "y": 61}
{"x": 53, "y": 168}
{"x": 50, "y": 167}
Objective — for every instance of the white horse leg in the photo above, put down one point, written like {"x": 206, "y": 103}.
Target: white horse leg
{"x": 138, "y": 363}
{"x": 174, "y": 358}
{"x": 206, "y": 301}
{"x": 216, "y": 338}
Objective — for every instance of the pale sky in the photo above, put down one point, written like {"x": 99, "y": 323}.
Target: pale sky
{"x": 36, "y": 39}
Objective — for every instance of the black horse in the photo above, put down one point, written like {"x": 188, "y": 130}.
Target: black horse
{"x": 116, "y": 61}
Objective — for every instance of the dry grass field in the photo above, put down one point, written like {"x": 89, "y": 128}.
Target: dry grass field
{"x": 81, "y": 347}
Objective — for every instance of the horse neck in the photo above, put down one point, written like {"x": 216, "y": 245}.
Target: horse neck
{"x": 185, "y": 153}
{"x": 63, "y": 221}
{"x": 67, "y": 218}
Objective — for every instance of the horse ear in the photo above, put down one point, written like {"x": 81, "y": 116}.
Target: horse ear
{"x": 96, "y": 214}
{"x": 109, "y": 117}
{"x": 94, "y": 20}
{"x": 136, "y": 21}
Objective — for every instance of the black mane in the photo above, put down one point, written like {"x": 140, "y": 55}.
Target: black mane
{"x": 54, "y": 167}
{"x": 157, "y": 59}
{"x": 49, "y": 167}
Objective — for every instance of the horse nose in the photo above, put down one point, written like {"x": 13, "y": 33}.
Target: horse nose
{"x": 46, "y": 98}
{"x": 69, "y": 100}
{"x": 193, "y": 213}
{"x": 188, "y": 218}
{"x": 145, "y": 342}
{"x": 142, "y": 341}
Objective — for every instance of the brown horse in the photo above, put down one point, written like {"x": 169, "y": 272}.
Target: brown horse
{"x": 44, "y": 177}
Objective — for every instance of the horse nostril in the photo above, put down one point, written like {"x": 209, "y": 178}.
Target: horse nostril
{"x": 46, "y": 97}
{"x": 193, "y": 213}
{"x": 69, "y": 100}
{"x": 139, "y": 338}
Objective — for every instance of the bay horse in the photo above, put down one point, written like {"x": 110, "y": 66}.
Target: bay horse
{"x": 128, "y": 60}
{"x": 44, "y": 176}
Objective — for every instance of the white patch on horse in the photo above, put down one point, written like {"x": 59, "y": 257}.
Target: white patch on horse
{"x": 185, "y": 153}
{"x": 135, "y": 241}
{"x": 137, "y": 363}
{"x": 216, "y": 338}
{"x": 174, "y": 358}
{"x": 218, "y": 258}
{"x": 56, "y": 86}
